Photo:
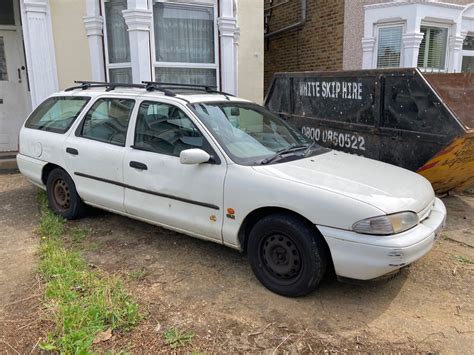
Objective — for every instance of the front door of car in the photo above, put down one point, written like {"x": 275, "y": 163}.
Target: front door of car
{"x": 94, "y": 153}
{"x": 161, "y": 189}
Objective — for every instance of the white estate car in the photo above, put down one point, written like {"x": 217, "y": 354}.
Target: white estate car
{"x": 224, "y": 169}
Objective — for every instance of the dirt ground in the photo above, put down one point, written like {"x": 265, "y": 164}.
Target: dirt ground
{"x": 20, "y": 287}
{"x": 185, "y": 283}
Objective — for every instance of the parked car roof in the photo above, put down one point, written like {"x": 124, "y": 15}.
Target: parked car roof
{"x": 188, "y": 96}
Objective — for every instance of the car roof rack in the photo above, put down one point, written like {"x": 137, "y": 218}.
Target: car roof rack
{"x": 84, "y": 85}
{"x": 166, "y": 88}
{"x": 150, "y": 85}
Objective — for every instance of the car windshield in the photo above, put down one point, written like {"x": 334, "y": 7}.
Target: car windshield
{"x": 252, "y": 135}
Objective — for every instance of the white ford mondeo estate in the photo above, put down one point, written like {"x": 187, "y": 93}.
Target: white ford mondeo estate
{"x": 224, "y": 169}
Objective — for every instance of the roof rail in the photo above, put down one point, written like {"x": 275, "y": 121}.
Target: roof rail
{"x": 84, "y": 85}
{"x": 165, "y": 88}
{"x": 207, "y": 88}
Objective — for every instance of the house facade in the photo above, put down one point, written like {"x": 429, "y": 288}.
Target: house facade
{"x": 367, "y": 34}
{"x": 47, "y": 44}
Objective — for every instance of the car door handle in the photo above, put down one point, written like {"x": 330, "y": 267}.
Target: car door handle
{"x": 72, "y": 151}
{"x": 138, "y": 165}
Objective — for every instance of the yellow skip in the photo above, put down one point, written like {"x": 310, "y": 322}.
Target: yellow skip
{"x": 453, "y": 167}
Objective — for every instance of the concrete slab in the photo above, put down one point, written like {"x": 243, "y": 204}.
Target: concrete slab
{"x": 8, "y": 166}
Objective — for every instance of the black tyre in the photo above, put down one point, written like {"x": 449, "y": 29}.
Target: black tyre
{"x": 287, "y": 255}
{"x": 62, "y": 195}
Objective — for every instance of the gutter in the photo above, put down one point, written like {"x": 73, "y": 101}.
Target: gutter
{"x": 294, "y": 26}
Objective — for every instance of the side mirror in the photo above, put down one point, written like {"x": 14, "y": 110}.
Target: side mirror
{"x": 193, "y": 156}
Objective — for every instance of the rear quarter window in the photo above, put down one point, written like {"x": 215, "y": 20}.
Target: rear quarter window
{"x": 57, "y": 114}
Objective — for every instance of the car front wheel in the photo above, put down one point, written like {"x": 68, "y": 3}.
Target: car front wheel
{"x": 62, "y": 195}
{"x": 287, "y": 255}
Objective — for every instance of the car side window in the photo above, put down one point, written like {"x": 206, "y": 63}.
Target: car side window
{"x": 165, "y": 129}
{"x": 107, "y": 120}
{"x": 57, "y": 113}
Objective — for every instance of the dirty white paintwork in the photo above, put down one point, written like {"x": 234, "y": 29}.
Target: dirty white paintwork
{"x": 332, "y": 190}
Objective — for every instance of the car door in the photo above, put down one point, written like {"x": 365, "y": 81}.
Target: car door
{"x": 95, "y": 152}
{"x": 161, "y": 189}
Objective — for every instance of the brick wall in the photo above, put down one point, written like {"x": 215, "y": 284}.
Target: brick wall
{"x": 317, "y": 46}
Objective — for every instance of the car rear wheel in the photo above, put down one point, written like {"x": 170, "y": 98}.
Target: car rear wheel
{"x": 62, "y": 195}
{"x": 287, "y": 255}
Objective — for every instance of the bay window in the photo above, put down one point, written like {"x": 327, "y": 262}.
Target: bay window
{"x": 389, "y": 46}
{"x": 432, "y": 54}
{"x": 185, "y": 40}
{"x": 117, "y": 42}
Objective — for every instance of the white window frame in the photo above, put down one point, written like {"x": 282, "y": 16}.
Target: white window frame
{"x": 466, "y": 52}
{"x": 109, "y": 65}
{"x": 16, "y": 19}
{"x": 378, "y": 26}
{"x": 215, "y": 65}
{"x": 446, "y": 54}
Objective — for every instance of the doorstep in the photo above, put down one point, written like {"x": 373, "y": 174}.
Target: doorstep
{"x": 8, "y": 162}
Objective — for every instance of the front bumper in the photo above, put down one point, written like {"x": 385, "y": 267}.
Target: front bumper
{"x": 365, "y": 257}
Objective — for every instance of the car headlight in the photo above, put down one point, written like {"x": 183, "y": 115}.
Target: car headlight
{"x": 388, "y": 224}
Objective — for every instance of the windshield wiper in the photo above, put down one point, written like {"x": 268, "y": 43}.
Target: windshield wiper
{"x": 309, "y": 147}
{"x": 278, "y": 154}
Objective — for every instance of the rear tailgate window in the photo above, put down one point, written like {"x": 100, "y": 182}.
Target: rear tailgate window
{"x": 57, "y": 114}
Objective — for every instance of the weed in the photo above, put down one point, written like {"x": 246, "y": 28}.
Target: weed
{"x": 83, "y": 302}
{"x": 464, "y": 260}
{"x": 138, "y": 274}
{"x": 92, "y": 246}
{"x": 78, "y": 234}
{"x": 175, "y": 338}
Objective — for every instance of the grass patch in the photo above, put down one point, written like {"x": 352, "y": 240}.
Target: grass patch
{"x": 79, "y": 234}
{"x": 464, "y": 260}
{"x": 84, "y": 302}
{"x": 175, "y": 338}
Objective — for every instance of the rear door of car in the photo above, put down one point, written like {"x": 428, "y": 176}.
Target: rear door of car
{"x": 94, "y": 152}
{"x": 161, "y": 189}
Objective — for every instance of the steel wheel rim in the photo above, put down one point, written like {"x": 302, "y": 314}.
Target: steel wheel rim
{"x": 280, "y": 258}
{"x": 61, "y": 194}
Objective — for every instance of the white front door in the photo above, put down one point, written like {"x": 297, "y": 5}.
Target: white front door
{"x": 15, "y": 102}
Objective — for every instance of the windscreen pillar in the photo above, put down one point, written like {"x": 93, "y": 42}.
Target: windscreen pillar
{"x": 94, "y": 25}
{"x": 228, "y": 34}
{"x": 39, "y": 49}
{"x": 138, "y": 18}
